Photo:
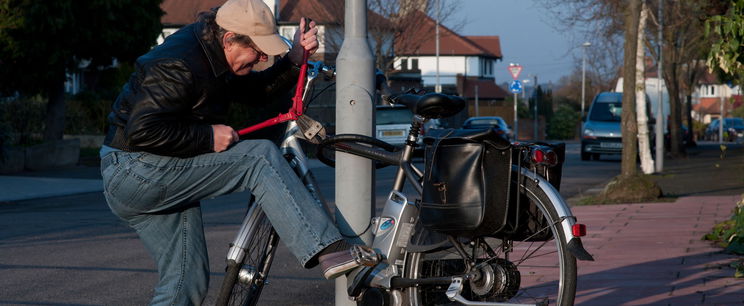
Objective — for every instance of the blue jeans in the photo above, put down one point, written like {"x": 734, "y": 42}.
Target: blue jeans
{"x": 159, "y": 197}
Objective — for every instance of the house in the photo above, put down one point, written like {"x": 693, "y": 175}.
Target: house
{"x": 465, "y": 55}
{"x": 466, "y": 64}
{"x": 178, "y": 13}
{"x": 329, "y": 16}
{"x": 708, "y": 96}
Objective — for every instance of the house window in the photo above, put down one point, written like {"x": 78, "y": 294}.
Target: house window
{"x": 404, "y": 64}
{"x": 414, "y": 64}
{"x": 712, "y": 90}
{"x": 288, "y": 31}
{"x": 486, "y": 67}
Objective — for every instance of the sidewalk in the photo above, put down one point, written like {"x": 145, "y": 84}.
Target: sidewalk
{"x": 16, "y": 188}
{"x": 652, "y": 254}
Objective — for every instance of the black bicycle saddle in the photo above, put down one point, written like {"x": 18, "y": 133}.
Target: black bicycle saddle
{"x": 432, "y": 105}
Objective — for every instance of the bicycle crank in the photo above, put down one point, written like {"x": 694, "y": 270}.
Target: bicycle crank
{"x": 454, "y": 294}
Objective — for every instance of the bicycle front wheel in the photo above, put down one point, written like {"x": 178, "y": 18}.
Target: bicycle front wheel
{"x": 244, "y": 280}
{"x": 536, "y": 269}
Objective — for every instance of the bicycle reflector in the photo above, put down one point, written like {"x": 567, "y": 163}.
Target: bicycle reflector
{"x": 542, "y": 155}
{"x": 578, "y": 230}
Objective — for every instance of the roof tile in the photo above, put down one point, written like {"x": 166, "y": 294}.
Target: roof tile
{"x": 450, "y": 43}
{"x": 183, "y": 12}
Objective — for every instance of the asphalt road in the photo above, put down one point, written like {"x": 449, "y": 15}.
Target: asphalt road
{"x": 72, "y": 251}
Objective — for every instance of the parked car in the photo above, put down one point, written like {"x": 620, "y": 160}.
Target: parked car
{"x": 485, "y": 122}
{"x": 601, "y": 132}
{"x": 684, "y": 131}
{"x": 733, "y": 129}
{"x": 392, "y": 123}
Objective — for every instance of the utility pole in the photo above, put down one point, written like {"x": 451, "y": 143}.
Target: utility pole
{"x": 354, "y": 115}
{"x": 516, "y": 88}
{"x": 516, "y": 120}
{"x": 583, "y": 76}
{"x": 721, "y": 120}
{"x": 660, "y": 96}
{"x": 477, "y": 113}
{"x": 534, "y": 90}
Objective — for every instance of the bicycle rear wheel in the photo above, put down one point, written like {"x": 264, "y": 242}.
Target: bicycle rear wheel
{"x": 511, "y": 271}
{"x": 244, "y": 280}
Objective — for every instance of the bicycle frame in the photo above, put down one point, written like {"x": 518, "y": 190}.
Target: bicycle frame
{"x": 393, "y": 228}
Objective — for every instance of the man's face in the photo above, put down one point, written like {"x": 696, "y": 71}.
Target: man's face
{"x": 241, "y": 58}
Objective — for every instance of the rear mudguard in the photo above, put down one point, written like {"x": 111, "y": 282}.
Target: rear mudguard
{"x": 564, "y": 213}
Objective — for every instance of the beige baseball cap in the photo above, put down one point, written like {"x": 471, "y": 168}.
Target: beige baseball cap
{"x": 252, "y": 18}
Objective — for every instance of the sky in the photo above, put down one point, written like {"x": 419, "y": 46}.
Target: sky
{"x": 526, "y": 37}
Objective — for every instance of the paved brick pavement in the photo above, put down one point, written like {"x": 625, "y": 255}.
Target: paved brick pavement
{"x": 652, "y": 254}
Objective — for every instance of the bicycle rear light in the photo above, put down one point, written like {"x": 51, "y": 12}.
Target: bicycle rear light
{"x": 578, "y": 230}
{"x": 544, "y": 156}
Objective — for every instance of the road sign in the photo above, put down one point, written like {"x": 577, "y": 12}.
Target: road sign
{"x": 515, "y": 86}
{"x": 515, "y": 70}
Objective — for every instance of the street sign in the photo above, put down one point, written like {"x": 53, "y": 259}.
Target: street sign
{"x": 515, "y": 86}
{"x": 515, "y": 70}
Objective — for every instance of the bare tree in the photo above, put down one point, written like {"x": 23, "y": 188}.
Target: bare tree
{"x": 388, "y": 21}
{"x": 644, "y": 145}
{"x": 603, "y": 60}
{"x": 629, "y": 122}
{"x": 684, "y": 46}
{"x": 684, "y": 42}
{"x": 599, "y": 23}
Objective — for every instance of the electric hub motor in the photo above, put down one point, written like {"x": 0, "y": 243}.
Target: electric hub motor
{"x": 498, "y": 280}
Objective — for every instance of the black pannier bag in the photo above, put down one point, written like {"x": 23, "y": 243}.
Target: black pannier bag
{"x": 526, "y": 221}
{"x": 466, "y": 182}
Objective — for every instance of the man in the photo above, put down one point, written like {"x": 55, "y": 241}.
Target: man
{"x": 167, "y": 148}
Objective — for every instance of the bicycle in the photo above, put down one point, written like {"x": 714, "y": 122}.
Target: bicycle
{"x": 423, "y": 267}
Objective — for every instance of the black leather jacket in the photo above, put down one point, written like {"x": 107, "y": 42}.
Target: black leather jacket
{"x": 179, "y": 89}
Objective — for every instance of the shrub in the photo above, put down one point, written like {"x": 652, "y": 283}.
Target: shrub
{"x": 23, "y": 118}
{"x": 563, "y": 124}
{"x": 86, "y": 113}
{"x": 5, "y": 138}
{"x": 730, "y": 235}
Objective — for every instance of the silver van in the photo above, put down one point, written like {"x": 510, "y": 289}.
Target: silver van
{"x": 601, "y": 132}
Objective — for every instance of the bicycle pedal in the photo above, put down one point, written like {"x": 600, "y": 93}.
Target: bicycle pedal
{"x": 365, "y": 255}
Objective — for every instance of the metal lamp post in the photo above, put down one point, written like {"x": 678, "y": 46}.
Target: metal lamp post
{"x": 583, "y": 76}
{"x": 355, "y": 195}
{"x": 660, "y": 97}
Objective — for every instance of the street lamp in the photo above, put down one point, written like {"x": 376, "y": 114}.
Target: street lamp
{"x": 583, "y": 76}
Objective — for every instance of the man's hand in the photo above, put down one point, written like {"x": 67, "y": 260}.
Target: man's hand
{"x": 223, "y": 136}
{"x": 307, "y": 41}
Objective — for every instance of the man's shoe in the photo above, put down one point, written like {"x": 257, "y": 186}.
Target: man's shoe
{"x": 339, "y": 263}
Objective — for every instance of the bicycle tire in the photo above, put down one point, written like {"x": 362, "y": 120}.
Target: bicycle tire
{"x": 258, "y": 258}
{"x": 535, "y": 284}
